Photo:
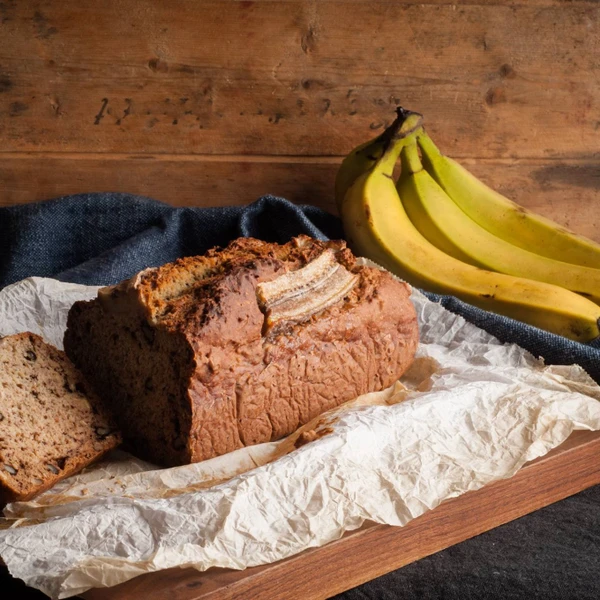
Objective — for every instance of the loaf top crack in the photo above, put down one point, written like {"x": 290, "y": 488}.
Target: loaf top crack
{"x": 192, "y": 291}
{"x": 242, "y": 345}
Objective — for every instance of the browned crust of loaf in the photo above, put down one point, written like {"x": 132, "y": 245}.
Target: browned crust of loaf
{"x": 209, "y": 303}
{"x": 74, "y": 464}
{"x": 378, "y": 308}
{"x": 157, "y": 290}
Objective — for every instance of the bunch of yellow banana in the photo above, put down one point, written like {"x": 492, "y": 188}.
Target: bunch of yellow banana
{"x": 445, "y": 231}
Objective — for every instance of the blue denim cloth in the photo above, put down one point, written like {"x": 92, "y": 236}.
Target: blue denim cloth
{"x": 107, "y": 237}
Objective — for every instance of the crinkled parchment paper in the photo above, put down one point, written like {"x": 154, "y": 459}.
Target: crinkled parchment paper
{"x": 470, "y": 411}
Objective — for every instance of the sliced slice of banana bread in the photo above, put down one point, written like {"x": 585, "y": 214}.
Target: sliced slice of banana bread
{"x": 51, "y": 422}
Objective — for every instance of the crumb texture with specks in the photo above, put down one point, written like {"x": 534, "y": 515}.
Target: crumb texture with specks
{"x": 51, "y": 422}
{"x": 182, "y": 356}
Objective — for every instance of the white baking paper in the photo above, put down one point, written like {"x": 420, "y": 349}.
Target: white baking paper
{"x": 470, "y": 411}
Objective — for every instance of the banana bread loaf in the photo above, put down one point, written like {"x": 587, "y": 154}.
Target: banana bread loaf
{"x": 243, "y": 345}
{"x": 51, "y": 422}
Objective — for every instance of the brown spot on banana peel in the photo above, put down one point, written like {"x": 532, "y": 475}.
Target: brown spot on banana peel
{"x": 582, "y": 333}
{"x": 571, "y": 233}
{"x": 491, "y": 296}
{"x": 577, "y": 332}
{"x": 521, "y": 209}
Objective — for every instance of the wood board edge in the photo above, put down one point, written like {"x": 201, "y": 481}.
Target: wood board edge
{"x": 375, "y": 549}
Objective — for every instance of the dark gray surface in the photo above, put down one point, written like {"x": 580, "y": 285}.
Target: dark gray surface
{"x": 551, "y": 554}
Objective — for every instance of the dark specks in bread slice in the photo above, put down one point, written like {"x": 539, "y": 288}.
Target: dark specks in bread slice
{"x": 51, "y": 422}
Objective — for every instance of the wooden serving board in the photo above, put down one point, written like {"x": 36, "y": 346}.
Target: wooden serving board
{"x": 374, "y": 549}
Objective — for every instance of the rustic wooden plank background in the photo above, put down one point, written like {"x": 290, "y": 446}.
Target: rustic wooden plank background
{"x": 214, "y": 103}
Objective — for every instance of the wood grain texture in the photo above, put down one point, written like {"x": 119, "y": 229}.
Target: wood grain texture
{"x": 219, "y": 102}
{"x": 298, "y": 77}
{"x": 375, "y": 549}
{"x": 565, "y": 191}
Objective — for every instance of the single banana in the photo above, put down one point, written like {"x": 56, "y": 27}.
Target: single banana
{"x": 503, "y": 217}
{"x": 449, "y": 228}
{"x": 364, "y": 157}
{"x": 378, "y": 228}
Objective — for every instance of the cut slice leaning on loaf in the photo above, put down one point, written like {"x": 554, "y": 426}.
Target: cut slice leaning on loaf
{"x": 241, "y": 346}
{"x": 51, "y": 423}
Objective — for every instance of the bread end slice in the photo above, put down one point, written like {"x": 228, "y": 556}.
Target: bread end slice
{"x": 52, "y": 424}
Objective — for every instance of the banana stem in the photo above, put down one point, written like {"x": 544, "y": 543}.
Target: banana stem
{"x": 427, "y": 145}
{"x": 390, "y": 156}
{"x": 408, "y": 122}
{"x": 395, "y": 137}
{"x": 410, "y": 159}
{"x": 405, "y": 124}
